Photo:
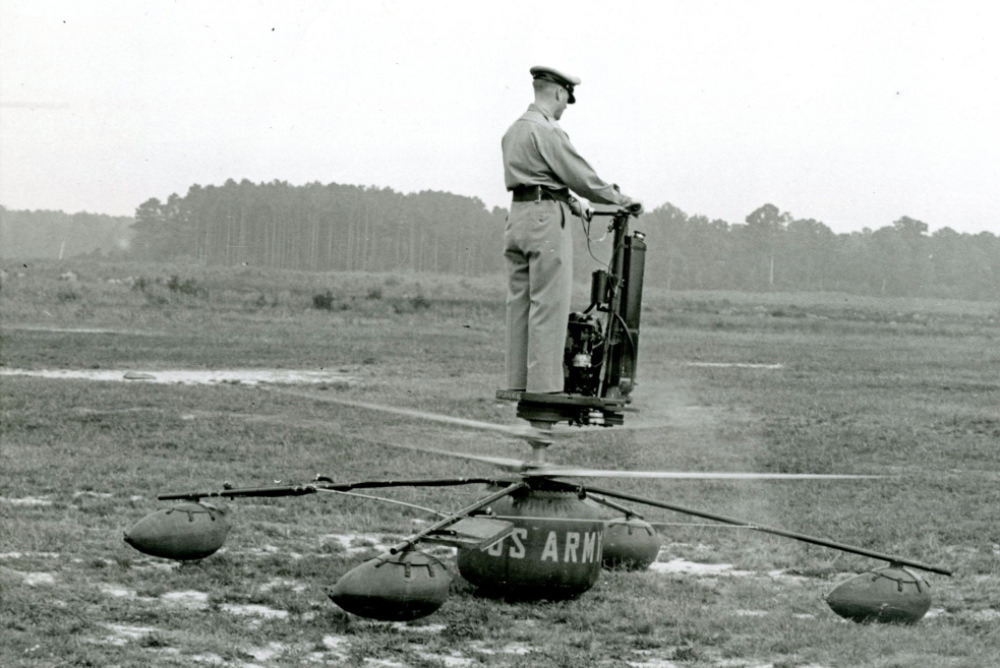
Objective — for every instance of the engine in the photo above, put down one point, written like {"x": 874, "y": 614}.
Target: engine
{"x": 584, "y": 354}
{"x": 600, "y": 355}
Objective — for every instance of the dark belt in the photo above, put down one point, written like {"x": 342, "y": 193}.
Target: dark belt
{"x": 536, "y": 193}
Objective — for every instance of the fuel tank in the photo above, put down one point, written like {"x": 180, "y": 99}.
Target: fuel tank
{"x": 183, "y": 532}
{"x": 554, "y": 551}
{"x": 399, "y": 587}
{"x": 892, "y": 594}
{"x": 630, "y": 543}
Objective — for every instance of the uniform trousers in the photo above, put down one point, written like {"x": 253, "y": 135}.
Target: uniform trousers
{"x": 538, "y": 247}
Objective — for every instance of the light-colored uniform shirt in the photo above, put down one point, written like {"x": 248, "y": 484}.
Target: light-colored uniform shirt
{"x": 537, "y": 152}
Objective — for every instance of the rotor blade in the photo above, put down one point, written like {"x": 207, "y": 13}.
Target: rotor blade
{"x": 542, "y": 470}
{"x": 526, "y": 433}
{"x": 506, "y": 463}
{"x": 549, "y": 470}
{"x": 503, "y": 462}
{"x": 771, "y": 530}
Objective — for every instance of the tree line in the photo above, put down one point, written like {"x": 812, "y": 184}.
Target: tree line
{"x": 345, "y": 227}
{"x": 774, "y": 250}
{"x": 334, "y": 227}
{"x": 318, "y": 227}
{"x": 54, "y": 234}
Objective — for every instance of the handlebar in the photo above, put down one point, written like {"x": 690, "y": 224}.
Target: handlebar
{"x": 632, "y": 209}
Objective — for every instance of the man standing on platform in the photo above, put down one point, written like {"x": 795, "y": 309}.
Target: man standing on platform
{"x": 541, "y": 167}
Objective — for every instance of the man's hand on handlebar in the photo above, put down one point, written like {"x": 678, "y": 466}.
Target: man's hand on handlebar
{"x": 580, "y": 210}
{"x": 633, "y": 208}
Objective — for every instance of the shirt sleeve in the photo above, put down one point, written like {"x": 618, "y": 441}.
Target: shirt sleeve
{"x": 571, "y": 168}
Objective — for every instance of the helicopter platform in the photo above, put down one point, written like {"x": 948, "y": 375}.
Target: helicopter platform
{"x": 472, "y": 532}
{"x": 577, "y": 409}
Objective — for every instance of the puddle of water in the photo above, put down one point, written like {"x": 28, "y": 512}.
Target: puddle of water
{"x": 339, "y": 646}
{"x": 253, "y": 610}
{"x": 189, "y": 600}
{"x": 293, "y": 585}
{"x": 516, "y": 649}
{"x": 161, "y": 565}
{"x": 454, "y": 660}
{"x": 735, "y": 365}
{"x": 95, "y": 495}
{"x": 194, "y": 376}
{"x": 22, "y": 555}
{"x": 651, "y": 663}
{"x": 268, "y": 550}
{"x": 115, "y": 591}
{"x": 34, "y": 579}
{"x": 81, "y": 330}
{"x": 353, "y": 543}
{"x": 211, "y": 659}
{"x": 26, "y": 501}
{"x": 122, "y": 634}
{"x": 422, "y": 628}
{"x": 272, "y": 651}
{"x": 685, "y": 567}
{"x": 186, "y": 600}
{"x": 385, "y": 663}
{"x": 131, "y": 631}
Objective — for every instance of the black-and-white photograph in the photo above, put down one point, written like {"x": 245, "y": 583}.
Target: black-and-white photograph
{"x": 441, "y": 334}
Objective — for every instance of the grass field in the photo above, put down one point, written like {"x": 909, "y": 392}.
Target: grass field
{"x": 730, "y": 382}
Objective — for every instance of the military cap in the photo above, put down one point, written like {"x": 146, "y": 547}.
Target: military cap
{"x": 555, "y": 76}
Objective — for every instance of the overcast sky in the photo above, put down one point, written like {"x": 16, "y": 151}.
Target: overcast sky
{"x": 852, "y": 113}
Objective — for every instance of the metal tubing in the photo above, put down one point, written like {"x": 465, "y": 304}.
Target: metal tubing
{"x": 777, "y": 532}
{"x": 312, "y": 488}
{"x": 451, "y": 519}
{"x": 629, "y": 512}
